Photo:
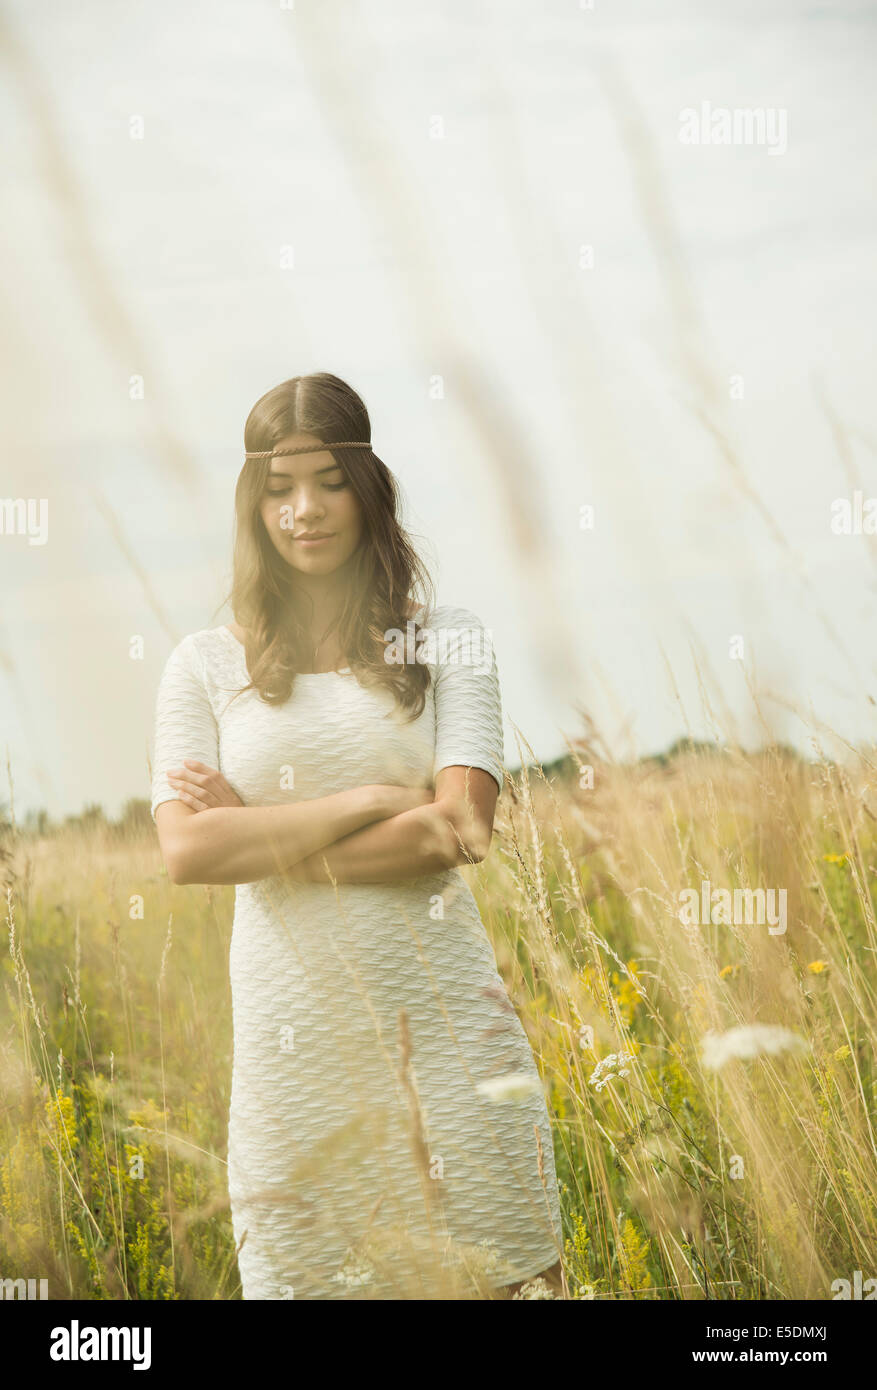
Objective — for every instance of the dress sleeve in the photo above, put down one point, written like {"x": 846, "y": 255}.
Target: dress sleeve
{"x": 185, "y": 726}
{"x": 468, "y": 705}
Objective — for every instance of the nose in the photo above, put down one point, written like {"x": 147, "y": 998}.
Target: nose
{"x": 307, "y": 506}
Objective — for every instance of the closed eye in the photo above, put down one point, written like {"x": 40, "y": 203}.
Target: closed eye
{"x": 282, "y": 491}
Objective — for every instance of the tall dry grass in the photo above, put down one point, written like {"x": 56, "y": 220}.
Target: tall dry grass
{"x": 753, "y": 1180}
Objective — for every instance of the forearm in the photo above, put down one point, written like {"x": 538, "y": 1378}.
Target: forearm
{"x": 241, "y": 844}
{"x": 426, "y": 840}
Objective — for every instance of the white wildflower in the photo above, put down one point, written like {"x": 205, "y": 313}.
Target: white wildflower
{"x": 606, "y": 1070}
{"x": 355, "y": 1271}
{"x": 535, "y": 1288}
{"x": 514, "y": 1086}
{"x": 749, "y": 1041}
{"x": 490, "y": 1256}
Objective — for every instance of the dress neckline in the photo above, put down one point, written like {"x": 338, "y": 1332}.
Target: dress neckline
{"x": 341, "y": 671}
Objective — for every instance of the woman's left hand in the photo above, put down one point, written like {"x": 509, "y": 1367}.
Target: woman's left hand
{"x": 202, "y": 787}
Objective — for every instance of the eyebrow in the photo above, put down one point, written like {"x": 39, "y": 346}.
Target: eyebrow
{"x": 331, "y": 469}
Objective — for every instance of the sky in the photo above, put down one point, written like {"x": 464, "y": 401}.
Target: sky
{"x": 484, "y": 219}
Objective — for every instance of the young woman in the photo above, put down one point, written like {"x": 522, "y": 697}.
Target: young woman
{"x": 337, "y": 754}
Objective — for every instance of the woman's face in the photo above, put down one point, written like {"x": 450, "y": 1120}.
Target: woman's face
{"x": 307, "y": 493}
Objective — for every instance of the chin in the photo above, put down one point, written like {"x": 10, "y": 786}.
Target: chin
{"x": 314, "y": 566}
{"x": 314, "y": 562}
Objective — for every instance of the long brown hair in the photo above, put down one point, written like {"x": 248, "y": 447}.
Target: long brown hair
{"x": 385, "y": 570}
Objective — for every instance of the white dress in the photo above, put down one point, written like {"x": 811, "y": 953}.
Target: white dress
{"x": 348, "y": 1172}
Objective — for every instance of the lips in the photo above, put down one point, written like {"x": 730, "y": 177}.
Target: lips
{"x": 313, "y": 540}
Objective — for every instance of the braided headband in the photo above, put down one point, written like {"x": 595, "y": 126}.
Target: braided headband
{"x": 306, "y": 449}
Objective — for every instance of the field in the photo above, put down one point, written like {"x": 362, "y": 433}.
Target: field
{"x": 711, "y": 1081}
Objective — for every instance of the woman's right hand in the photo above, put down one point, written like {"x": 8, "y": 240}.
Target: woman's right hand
{"x": 393, "y": 801}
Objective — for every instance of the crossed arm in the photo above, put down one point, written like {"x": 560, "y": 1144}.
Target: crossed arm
{"x": 454, "y": 829}
{"x": 358, "y": 836}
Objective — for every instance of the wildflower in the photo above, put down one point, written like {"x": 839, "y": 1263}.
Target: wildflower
{"x": 605, "y": 1071}
{"x": 841, "y": 1054}
{"x": 488, "y": 1256}
{"x": 749, "y": 1041}
{"x": 535, "y": 1288}
{"x": 481, "y": 1261}
{"x": 835, "y": 858}
{"x": 355, "y": 1271}
{"x": 628, "y": 994}
{"x": 817, "y": 966}
{"x": 633, "y": 1252}
{"x": 514, "y": 1086}
{"x": 728, "y": 971}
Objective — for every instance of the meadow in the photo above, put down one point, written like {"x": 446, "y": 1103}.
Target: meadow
{"x": 711, "y": 1084}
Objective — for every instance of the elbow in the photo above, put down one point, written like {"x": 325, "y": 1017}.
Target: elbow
{"x": 476, "y": 848}
{"x": 175, "y": 870}
{"x": 469, "y": 840}
{"x": 186, "y": 855}
{"x": 179, "y": 865}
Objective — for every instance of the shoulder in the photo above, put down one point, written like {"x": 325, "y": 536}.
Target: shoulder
{"x": 456, "y": 627}
{"x": 455, "y": 638}
{"x": 450, "y": 615}
{"x": 193, "y": 653}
